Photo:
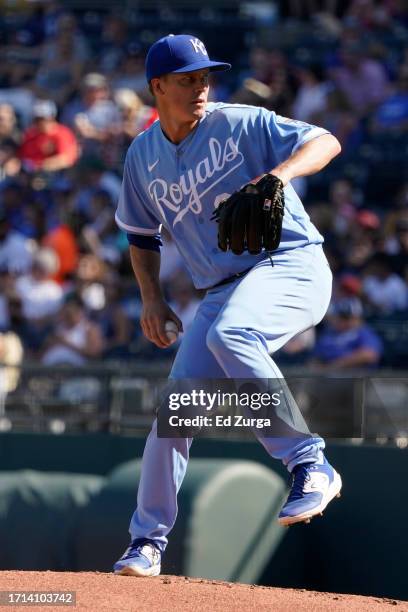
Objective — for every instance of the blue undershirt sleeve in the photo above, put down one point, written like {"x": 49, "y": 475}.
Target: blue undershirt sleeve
{"x": 151, "y": 243}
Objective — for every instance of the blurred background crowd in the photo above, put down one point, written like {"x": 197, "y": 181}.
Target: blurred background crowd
{"x": 73, "y": 96}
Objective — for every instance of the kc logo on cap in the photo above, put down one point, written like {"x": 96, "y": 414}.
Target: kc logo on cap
{"x": 198, "y": 46}
{"x": 180, "y": 53}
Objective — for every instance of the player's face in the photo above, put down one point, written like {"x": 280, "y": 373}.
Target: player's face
{"x": 185, "y": 94}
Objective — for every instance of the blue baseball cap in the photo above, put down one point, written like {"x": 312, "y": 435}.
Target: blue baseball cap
{"x": 181, "y": 53}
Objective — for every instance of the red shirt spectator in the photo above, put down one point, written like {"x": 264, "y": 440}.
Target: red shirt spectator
{"x": 48, "y": 145}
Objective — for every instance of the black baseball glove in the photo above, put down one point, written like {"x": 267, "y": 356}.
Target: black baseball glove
{"x": 251, "y": 218}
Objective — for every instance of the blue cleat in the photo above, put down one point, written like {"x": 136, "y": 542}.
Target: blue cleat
{"x": 314, "y": 485}
{"x": 142, "y": 558}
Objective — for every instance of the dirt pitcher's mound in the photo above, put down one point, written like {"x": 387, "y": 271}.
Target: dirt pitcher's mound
{"x": 96, "y": 591}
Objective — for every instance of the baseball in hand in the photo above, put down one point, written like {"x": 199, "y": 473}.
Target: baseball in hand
{"x": 171, "y": 330}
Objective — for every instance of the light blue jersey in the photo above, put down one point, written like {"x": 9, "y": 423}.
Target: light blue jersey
{"x": 178, "y": 186}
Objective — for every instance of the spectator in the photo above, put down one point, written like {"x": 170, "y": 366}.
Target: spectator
{"x": 347, "y": 342}
{"x": 76, "y": 339}
{"x": 270, "y": 68}
{"x": 91, "y": 275}
{"x": 60, "y": 236}
{"x": 5, "y": 281}
{"x": 261, "y": 68}
{"x": 11, "y": 357}
{"x": 9, "y": 142}
{"x": 91, "y": 175}
{"x": 367, "y": 14}
{"x": 342, "y": 201}
{"x": 336, "y": 220}
{"x": 338, "y": 117}
{"x": 36, "y": 300}
{"x": 14, "y": 194}
{"x": 19, "y": 64}
{"x": 253, "y": 93}
{"x": 392, "y": 114}
{"x": 113, "y": 44}
{"x": 396, "y": 217}
{"x": 383, "y": 290}
{"x": 40, "y": 295}
{"x": 130, "y": 73}
{"x": 15, "y": 252}
{"x": 48, "y": 145}
{"x": 93, "y": 91}
{"x": 31, "y": 32}
{"x": 364, "y": 239}
{"x": 298, "y": 350}
{"x": 363, "y": 80}
{"x": 310, "y": 8}
{"x": 62, "y": 64}
{"x": 399, "y": 257}
{"x": 135, "y": 116}
{"x": 349, "y": 285}
{"x": 100, "y": 236}
{"x": 116, "y": 327}
{"x": 322, "y": 216}
{"x": 311, "y": 96}
{"x": 8, "y": 124}
{"x": 97, "y": 118}
{"x": 66, "y": 24}
{"x": 53, "y": 11}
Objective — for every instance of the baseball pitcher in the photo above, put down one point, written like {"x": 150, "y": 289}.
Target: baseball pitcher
{"x": 217, "y": 177}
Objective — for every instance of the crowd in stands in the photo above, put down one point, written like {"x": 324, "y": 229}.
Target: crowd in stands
{"x": 70, "y": 105}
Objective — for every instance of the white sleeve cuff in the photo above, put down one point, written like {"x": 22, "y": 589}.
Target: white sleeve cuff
{"x": 311, "y": 135}
{"x": 132, "y": 229}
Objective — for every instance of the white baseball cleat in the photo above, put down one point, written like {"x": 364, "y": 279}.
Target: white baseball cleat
{"x": 141, "y": 558}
